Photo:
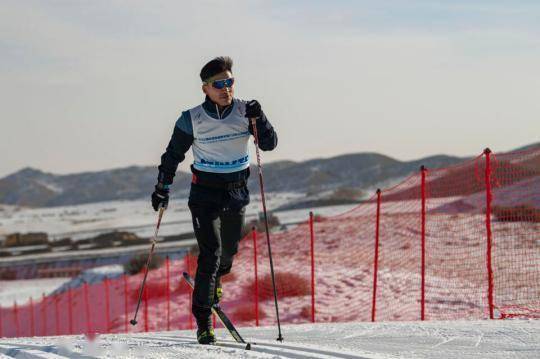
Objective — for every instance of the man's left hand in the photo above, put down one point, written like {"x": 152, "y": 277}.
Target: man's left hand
{"x": 253, "y": 110}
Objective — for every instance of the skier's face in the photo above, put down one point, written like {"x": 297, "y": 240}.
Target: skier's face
{"x": 223, "y": 97}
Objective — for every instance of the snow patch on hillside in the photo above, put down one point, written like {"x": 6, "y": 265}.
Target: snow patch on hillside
{"x": 21, "y": 290}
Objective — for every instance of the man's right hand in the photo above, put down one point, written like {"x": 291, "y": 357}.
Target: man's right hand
{"x": 160, "y": 197}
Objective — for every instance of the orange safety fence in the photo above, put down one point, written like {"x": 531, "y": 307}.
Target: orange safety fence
{"x": 461, "y": 242}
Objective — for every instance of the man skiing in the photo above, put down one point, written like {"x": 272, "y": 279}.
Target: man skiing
{"x": 218, "y": 132}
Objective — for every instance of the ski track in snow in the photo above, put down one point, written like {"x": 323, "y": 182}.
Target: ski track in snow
{"x": 456, "y": 339}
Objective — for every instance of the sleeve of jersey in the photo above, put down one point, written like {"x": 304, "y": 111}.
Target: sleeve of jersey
{"x": 181, "y": 141}
{"x": 267, "y": 135}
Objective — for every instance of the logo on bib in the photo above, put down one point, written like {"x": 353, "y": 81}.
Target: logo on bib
{"x": 224, "y": 164}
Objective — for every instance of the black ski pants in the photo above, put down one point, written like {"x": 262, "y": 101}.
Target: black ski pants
{"x": 218, "y": 229}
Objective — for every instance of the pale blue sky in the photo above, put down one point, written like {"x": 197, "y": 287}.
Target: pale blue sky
{"x": 90, "y": 85}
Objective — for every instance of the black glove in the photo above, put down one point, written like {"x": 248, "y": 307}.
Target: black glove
{"x": 253, "y": 110}
{"x": 160, "y": 197}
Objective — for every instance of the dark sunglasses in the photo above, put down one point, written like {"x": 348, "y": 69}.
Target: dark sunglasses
{"x": 220, "y": 84}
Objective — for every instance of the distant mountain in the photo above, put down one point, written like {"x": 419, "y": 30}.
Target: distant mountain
{"x": 361, "y": 171}
{"x": 34, "y": 188}
{"x": 528, "y": 147}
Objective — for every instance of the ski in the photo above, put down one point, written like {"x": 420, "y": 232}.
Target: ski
{"x": 216, "y": 309}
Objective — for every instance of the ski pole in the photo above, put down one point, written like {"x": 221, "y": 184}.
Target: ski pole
{"x": 154, "y": 239}
{"x": 261, "y": 183}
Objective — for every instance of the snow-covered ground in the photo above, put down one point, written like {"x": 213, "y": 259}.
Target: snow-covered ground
{"x": 83, "y": 221}
{"x": 344, "y": 274}
{"x": 21, "y": 290}
{"x": 459, "y": 339}
{"x": 91, "y": 219}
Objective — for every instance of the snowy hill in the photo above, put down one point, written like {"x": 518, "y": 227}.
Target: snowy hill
{"x": 34, "y": 188}
{"x": 461, "y": 339}
{"x": 361, "y": 171}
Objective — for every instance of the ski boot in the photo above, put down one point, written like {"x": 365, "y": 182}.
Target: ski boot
{"x": 205, "y": 331}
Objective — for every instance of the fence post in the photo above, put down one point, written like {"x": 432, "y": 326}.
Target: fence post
{"x": 16, "y": 319}
{"x": 423, "y": 289}
{"x": 255, "y": 274}
{"x": 376, "y": 259}
{"x": 146, "y": 309}
{"x": 70, "y": 310}
{"x": 44, "y": 314}
{"x": 126, "y": 312}
{"x": 56, "y": 316}
{"x": 87, "y": 309}
{"x": 190, "y": 316}
{"x": 487, "y": 152}
{"x": 168, "y": 293}
{"x": 32, "y": 319}
{"x": 312, "y": 252}
{"x": 107, "y": 305}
